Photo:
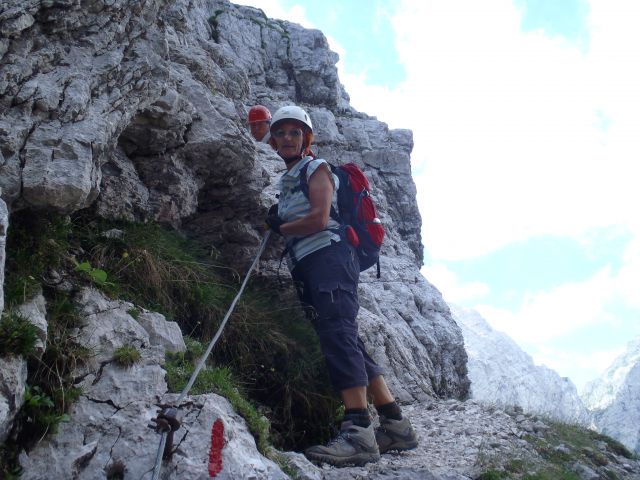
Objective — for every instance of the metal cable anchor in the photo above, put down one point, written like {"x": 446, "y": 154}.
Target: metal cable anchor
{"x": 166, "y": 422}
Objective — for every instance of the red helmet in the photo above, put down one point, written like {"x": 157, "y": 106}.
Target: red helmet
{"x": 259, "y": 113}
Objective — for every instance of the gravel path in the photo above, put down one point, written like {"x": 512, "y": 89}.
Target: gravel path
{"x": 460, "y": 440}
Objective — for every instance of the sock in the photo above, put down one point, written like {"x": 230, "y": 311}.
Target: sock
{"x": 390, "y": 410}
{"x": 359, "y": 416}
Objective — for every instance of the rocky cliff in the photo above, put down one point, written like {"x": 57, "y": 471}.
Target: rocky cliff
{"x": 135, "y": 110}
{"x": 614, "y": 398}
{"x": 502, "y": 374}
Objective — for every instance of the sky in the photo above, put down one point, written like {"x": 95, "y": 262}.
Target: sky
{"x": 526, "y": 123}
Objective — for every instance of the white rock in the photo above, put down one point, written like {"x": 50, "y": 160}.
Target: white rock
{"x": 621, "y": 417}
{"x": 162, "y": 332}
{"x": 13, "y": 380}
{"x": 503, "y": 374}
{"x": 35, "y": 311}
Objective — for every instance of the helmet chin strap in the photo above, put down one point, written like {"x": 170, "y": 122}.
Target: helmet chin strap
{"x": 295, "y": 158}
{"x": 289, "y": 160}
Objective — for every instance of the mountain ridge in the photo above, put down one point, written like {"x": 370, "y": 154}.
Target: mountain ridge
{"x": 136, "y": 110}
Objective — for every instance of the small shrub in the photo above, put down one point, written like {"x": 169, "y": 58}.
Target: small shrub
{"x": 552, "y": 474}
{"x": 52, "y": 375}
{"x": 596, "y": 457}
{"x": 615, "y": 446}
{"x": 492, "y": 475}
{"x": 38, "y": 415}
{"x": 9, "y": 467}
{"x": 35, "y": 243}
{"x": 611, "y": 475}
{"x": 516, "y": 465}
{"x": 126, "y": 355}
{"x": 18, "y": 336}
{"x": 97, "y": 275}
{"x": 134, "y": 312}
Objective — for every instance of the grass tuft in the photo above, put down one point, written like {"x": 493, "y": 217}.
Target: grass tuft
{"x": 126, "y": 356}
{"x": 269, "y": 351}
{"x": 179, "y": 368}
{"x": 18, "y": 336}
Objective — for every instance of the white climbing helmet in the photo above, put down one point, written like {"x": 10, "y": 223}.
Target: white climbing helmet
{"x": 291, "y": 112}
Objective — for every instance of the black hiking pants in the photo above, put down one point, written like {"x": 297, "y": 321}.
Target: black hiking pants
{"x": 329, "y": 279}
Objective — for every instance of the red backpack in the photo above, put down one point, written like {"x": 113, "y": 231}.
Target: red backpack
{"x": 356, "y": 213}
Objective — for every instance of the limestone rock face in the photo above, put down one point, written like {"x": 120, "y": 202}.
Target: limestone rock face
{"x": 408, "y": 330}
{"x": 138, "y": 111}
{"x": 108, "y": 434}
{"x": 502, "y": 374}
{"x": 13, "y": 381}
{"x": 4, "y": 224}
{"x": 35, "y": 311}
{"x": 161, "y": 332}
{"x": 614, "y": 398}
{"x": 621, "y": 418}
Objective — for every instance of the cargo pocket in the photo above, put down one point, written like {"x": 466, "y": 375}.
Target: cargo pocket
{"x": 336, "y": 300}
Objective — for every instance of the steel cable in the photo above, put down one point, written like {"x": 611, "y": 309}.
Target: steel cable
{"x": 203, "y": 359}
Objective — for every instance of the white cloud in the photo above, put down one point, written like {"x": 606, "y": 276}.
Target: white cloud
{"x": 579, "y": 367}
{"x": 450, "y": 286}
{"x": 628, "y": 279}
{"x": 516, "y": 134}
{"x": 551, "y": 314}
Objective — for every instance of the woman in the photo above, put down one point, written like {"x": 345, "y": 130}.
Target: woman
{"x": 327, "y": 268}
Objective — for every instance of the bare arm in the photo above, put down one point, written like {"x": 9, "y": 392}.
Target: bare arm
{"x": 320, "y": 195}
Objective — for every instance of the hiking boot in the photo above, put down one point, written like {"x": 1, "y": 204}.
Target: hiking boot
{"x": 352, "y": 446}
{"x": 395, "y": 434}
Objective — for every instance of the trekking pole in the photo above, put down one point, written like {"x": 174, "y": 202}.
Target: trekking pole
{"x": 166, "y": 422}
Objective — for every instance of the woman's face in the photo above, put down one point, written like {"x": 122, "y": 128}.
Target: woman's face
{"x": 288, "y": 137}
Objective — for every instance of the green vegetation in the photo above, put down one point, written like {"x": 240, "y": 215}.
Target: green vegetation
{"x": 492, "y": 475}
{"x": 40, "y": 256}
{"x": 268, "y": 344}
{"x": 267, "y": 363}
{"x": 558, "y": 449}
{"x": 9, "y": 469}
{"x": 53, "y": 372}
{"x": 97, "y": 275}
{"x": 219, "y": 380}
{"x": 40, "y": 412}
{"x": 213, "y": 21}
{"x": 37, "y": 247}
{"x": 126, "y": 356}
{"x": 18, "y": 336}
